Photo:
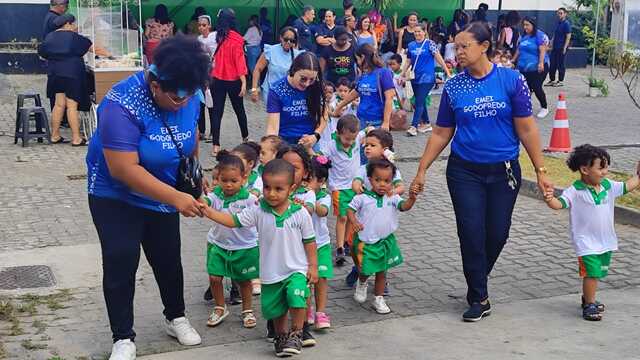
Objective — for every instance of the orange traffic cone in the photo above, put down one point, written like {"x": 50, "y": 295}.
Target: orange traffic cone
{"x": 560, "y": 138}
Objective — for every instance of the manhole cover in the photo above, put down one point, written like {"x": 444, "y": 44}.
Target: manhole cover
{"x": 25, "y": 277}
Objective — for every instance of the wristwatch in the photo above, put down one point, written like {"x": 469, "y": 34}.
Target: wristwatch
{"x": 317, "y": 135}
{"x": 541, "y": 170}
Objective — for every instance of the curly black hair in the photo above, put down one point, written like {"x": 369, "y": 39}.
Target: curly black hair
{"x": 300, "y": 151}
{"x": 381, "y": 164}
{"x": 585, "y": 155}
{"x": 226, "y": 160}
{"x": 182, "y": 63}
{"x": 320, "y": 171}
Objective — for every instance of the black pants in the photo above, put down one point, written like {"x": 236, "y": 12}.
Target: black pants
{"x": 483, "y": 203}
{"x": 219, "y": 90}
{"x": 535, "y": 80}
{"x": 202, "y": 124}
{"x": 122, "y": 228}
{"x": 557, "y": 64}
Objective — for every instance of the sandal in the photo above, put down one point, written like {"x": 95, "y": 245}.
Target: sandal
{"x": 60, "y": 140}
{"x": 590, "y": 313}
{"x": 81, "y": 143}
{"x": 248, "y": 319}
{"x": 215, "y": 318}
{"x": 599, "y": 305}
{"x": 215, "y": 150}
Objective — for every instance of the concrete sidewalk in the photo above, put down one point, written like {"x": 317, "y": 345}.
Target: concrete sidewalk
{"x": 547, "y": 329}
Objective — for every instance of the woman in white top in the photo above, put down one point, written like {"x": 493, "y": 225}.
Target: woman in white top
{"x": 277, "y": 60}
{"x": 208, "y": 39}
{"x": 253, "y": 39}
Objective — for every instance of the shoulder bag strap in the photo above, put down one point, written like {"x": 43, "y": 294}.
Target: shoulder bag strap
{"x": 413, "y": 68}
{"x": 164, "y": 122}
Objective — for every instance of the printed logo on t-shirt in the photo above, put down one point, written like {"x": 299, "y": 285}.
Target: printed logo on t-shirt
{"x": 298, "y": 108}
{"x": 485, "y": 107}
{"x": 165, "y": 137}
{"x": 249, "y": 270}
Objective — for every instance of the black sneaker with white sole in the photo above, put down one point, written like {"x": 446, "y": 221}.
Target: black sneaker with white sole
{"x": 279, "y": 345}
{"x": 476, "y": 312}
{"x": 307, "y": 339}
{"x": 293, "y": 345}
{"x": 271, "y": 331}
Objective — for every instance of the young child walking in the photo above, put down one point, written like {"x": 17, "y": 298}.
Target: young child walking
{"x": 344, "y": 153}
{"x": 320, "y": 173}
{"x": 249, "y": 152}
{"x": 377, "y": 146}
{"x": 288, "y": 261}
{"x": 591, "y": 203}
{"x": 374, "y": 215}
{"x": 343, "y": 87}
{"x": 231, "y": 253}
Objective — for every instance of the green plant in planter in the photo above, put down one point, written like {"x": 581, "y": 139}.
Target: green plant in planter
{"x": 599, "y": 84}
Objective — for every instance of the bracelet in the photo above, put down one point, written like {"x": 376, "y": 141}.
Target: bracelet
{"x": 317, "y": 135}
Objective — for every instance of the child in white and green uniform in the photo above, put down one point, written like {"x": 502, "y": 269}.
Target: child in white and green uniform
{"x": 320, "y": 165}
{"x": 374, "y": 215}
{"x": 591, "y": 204}
{"x": 249, "y": 152}
{"x": 231, "y": 253}
{"x": 288, "y": 262}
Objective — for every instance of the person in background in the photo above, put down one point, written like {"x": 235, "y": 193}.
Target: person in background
{"x": 339, "y": 59}
{"x": 191, "y": 28}
{"x": 229, "y": 75}
{"x": 365, "y": 32}
{"x": 559, "y": 46}
{"x": 481, "y": 13}
{"x": 460, "y": 20}
{"x": 483, "y": 173}
{"x": 350, "y": 24}
{"x": 253, "y": 40}
{"x": 532, "y": 60}
{"x": 277, "y": 59}
{"x": 438, "y": 27}
{"x": 266, "y": 27}
{"x": 67, "y": 80}
{"x": 349, "y": 10}
{"x": 325, "y": 32}
{"x": 157, "y": 28}
{"x": 422, "y": 55}
{"x": 510, "y": 35}
{"x": 406, "y": 34}
{"x": 56, "y": 8}
{"x": 208, "y": 39}
{"x": 303, "y": 26}
{"x": 501, "y": 23}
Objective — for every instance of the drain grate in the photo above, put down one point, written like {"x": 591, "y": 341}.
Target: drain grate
{"x": 26, "y": 277}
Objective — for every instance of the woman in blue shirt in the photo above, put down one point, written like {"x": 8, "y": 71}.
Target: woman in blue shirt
{"x": 374, "y": 88}
{"x": 422, "y": 55}
{"x": 486, "y": 110}
{"x": 132, "y": 166}
{"x": 295, "y": 106}
{"x": 532, "y": 61}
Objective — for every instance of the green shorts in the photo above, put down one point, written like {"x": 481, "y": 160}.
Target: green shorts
{"x": 374, "y": 258}
{"x": 238, "y": 265}
{"x": 340, "y": 201}
{"x": 594, "y": 266}
{"x": 276, "y": 299}
{"x": 325, "y": 262}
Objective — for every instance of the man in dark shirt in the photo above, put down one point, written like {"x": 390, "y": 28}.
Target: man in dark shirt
{"x": 349, "y": 10}
{"x": 559, "y": 45}
{"x": 266, "y": 27}
{"x": 324, "y": 32}
{"x": 57, "y": 8}
{"x": 304, "y": 26}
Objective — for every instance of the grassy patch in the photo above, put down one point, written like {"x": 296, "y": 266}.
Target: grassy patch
{"x": 40, "y": 326}
{"x": 30, "y": 345}
{"x": 563, "y": 177}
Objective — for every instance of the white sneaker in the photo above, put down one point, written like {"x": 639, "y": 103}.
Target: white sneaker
{"x": 380, "y": 306}
{"x": 542, "y": 113}
{"x": 181, "y": 329}
{"x": 424, "y": 128}
{"x": 360, "y": 295}
{"x": 412, "y": 131}
{"x": 123, "y": 350}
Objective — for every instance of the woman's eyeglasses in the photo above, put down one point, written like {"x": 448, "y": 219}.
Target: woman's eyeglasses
{"x": 289, "y": 40}
{"x": 308, "y": 81}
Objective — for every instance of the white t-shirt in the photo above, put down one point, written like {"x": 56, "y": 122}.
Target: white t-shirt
{"x": 450, "y": 52}
{"x": 344, "y": 162}
{"x": 377, "y": 214}
{"x": 591, "y": 216}
{"x": 209, "y": 43}
{"x": 254, "y": 183}
{"x": 282, "y": 239}
{"x": 236, "y": 238}
{"x": 320, "y": 223}
{"x": 362, "y": 176}
{"x": 252, "y": 36}
{"x": 308, "y": 197}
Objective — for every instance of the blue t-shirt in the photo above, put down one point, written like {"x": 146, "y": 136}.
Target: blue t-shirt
{"x": 482, "y": 111}
{"x": 291, "y": 104}
{"x": 560, "y": 35}
{"x": 129, "y": 121}
{"x": 371, "y": 108}
{"x": 529, "y": 51}
{"x": 425, "y": 67}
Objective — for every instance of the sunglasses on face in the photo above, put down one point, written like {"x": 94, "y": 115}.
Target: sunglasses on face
{"x": 289, "y": 40}
{"x": 178, "y": 101}
{"x": 304, "y": 80}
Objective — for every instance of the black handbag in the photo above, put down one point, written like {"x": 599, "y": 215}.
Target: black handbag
{"x": 189, "y": 177}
